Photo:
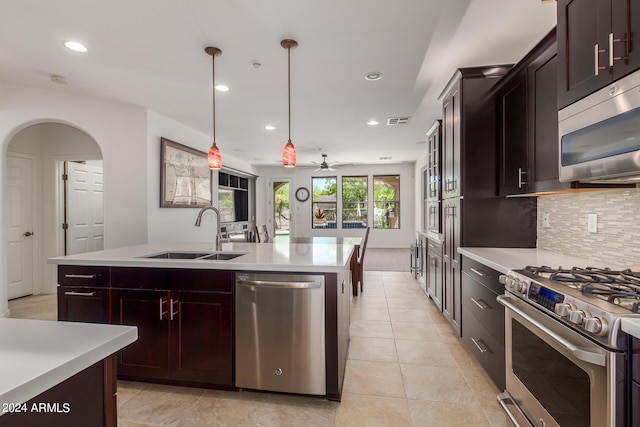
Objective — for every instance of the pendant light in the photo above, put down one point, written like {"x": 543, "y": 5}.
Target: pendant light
{"x": 214, "y": 158}
{"x": 289, "y": 153}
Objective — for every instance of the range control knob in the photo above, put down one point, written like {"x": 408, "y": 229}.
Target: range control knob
{"x": 564, "y": 309}
{"x": 502, "y": 279}
{"x": 577, "y": 316}
{"x": 596, "y": 325}
{"x": 517, "y": 285}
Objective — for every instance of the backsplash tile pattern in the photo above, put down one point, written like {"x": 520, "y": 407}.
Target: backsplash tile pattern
{"x": 617, "y": 242}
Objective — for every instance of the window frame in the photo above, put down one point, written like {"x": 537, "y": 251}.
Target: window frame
{"x": 365, "y": 219}
{"x": 396, "y": 202}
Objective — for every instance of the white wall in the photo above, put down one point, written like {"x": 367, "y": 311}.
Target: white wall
{"x": 49, "y": 143}
{"x": 120, "y": 130}
{"x": 177, "y": 224}
{"x": 301, "y": 212}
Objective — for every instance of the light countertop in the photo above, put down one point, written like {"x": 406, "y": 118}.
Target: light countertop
{"x": 39, "y": 354}
{"x": 505, "y": 259}
{"x": 323, "y": 256}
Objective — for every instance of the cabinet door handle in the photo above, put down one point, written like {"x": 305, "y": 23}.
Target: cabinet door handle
{"x": 162, "y": 312}
{"x": 521, "y": 181}
{"x": 596, "y": 52}
{"x": 483, "y": 305}
{"x": 480, "y": 345}
{"x": 612, "y": 58}
{"x": 80, "y": 294}
{"x": 173, "y": 313}
{"x": 80, "y": 276}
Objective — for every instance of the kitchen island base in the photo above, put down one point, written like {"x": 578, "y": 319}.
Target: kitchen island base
{"x": 86, "y": 399}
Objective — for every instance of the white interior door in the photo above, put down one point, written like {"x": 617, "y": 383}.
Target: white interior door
{"x": 85, "y": 212}
{"x": 19, "y": 210}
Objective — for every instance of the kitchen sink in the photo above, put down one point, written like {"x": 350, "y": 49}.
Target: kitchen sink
{"x": 210, "y": 256}
{"x": 222, "y": 256}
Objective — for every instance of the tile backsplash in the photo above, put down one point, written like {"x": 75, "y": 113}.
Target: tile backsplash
{"x": 617, "y": 242}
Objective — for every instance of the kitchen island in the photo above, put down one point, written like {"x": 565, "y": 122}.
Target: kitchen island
{"x": 182, "y": 298}
{"x": 59, "y": 374}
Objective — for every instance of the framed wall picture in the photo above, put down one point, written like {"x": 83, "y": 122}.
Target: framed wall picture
{"x": 185, "y": 178}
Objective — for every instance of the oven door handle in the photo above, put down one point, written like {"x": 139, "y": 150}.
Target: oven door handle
{"x": 585, "y": 356}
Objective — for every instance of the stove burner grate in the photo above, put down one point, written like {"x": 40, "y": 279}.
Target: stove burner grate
{"x": 620, "y": 287}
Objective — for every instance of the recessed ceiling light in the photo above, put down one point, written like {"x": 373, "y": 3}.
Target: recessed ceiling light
{"x": 55, "y": 78}
{"x": 373, "y": 123}
{"x": 269, "y": 127}
{"x": 222, "y": 88}
{"x": 76, "y": 46}
{"x": 373, "y": 75}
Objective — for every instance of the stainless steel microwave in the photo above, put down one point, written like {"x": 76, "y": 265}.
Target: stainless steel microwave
{"x": 600, "y": 135}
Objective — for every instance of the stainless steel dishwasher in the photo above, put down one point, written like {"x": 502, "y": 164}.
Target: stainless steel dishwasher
{"x": 280, "y": 333}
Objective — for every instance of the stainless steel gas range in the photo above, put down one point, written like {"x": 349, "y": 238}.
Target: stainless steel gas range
{"x": 566, "y": 355}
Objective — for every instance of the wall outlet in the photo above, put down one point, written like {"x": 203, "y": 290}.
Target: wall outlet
{"x": 592, "y": 223}
{"x": 545, "y": 220}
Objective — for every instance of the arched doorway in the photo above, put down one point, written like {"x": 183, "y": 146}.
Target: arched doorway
{"x": 37, "y": 199}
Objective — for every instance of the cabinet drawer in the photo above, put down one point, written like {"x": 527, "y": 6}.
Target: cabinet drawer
{"x": 179, "y": 279}
{"x": 83, "y": 304}
{"x": 434, "y": 247}
{"x": 483, "y": 274}
{"x": 484, "y": 347}
{"x": 481, "y": 303}
{"x": 81, "y": 275}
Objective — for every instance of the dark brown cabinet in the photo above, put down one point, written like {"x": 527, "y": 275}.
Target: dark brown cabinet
{"x": 483, "y": 327}
{"x": 83, "y": 294}
{"x": 434, "y": 271}
{"x": 432, "y": 184}
{"x": 184, "y": 319}
{"x": 83, "y": 304}
{"x": 201, "y": 338}
{"x": 595, "y": 45}
{"x": 451, "y": 263}
{"x": 148, "y": 357}
{"x": 513, "y": 168}
{"x": 473, "y": 214}
{"x": 528, "y": 123}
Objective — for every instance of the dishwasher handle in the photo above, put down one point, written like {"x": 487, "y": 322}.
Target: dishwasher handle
{"x": 279, "y": 284}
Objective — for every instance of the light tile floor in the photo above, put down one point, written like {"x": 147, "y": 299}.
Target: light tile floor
{"x": 406, "y": 367}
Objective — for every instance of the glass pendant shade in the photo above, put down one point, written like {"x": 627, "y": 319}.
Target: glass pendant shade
{"x": 289, "y": 152}
{"x": 214, "y": 158}
{"x": 289, "y": 155}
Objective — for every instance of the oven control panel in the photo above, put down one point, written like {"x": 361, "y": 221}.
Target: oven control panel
{"x": 577, "y": 313}
{"x": 546, "y": 298}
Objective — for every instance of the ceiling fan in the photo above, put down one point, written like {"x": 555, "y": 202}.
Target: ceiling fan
{"x": 324, "y": 166}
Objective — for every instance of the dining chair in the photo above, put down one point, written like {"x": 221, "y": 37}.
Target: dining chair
{"x": 262, "y": 234}
{"x": 360, "y": 263}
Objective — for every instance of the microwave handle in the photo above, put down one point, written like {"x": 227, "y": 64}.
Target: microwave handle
{"x": 585, "y": 356}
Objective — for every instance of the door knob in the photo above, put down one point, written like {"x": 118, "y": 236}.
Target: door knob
{"x": 27, "y": 234}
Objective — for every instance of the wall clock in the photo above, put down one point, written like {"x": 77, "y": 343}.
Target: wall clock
{"x": 302, "y": 194}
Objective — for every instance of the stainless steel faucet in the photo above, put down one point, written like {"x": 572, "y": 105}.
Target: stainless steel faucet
{"x": 219, "y": 232}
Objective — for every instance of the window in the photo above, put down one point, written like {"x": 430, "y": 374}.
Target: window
{"x": 325, "y": 206}
{"x": 386, "y": 201}
{"x": 354, "y": 201}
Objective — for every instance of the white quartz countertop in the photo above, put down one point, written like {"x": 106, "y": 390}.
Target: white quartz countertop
{"x": 323, "y": 254}
{"x": 505, "y": 259}
{"x": 36, "y": 355}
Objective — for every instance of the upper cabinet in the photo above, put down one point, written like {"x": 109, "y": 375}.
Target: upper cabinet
{"x": 468, "y": 140}
{"x": 528, "y": 123}
{"x": 595, "y": 45}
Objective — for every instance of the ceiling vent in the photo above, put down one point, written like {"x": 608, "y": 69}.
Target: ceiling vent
{"x": 394, "y": 121}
